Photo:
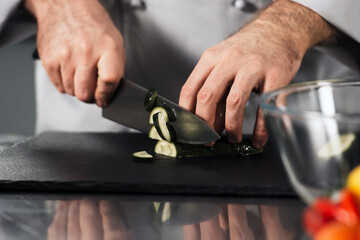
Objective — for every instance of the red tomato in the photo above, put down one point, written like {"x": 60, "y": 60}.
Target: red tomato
{"x": 325, "y": 207}
{"x": 313, "y": 221}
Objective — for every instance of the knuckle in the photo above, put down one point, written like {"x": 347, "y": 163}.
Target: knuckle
{"x": 85, "y": 48}
{"x": 64, "y": 53}
{"x": 260, "y": 132}
{"x": 186, "y": 92}
{"x": 208, "y": 56}
{"x": 205, "y": 96}
{"x": 234, "y": 100}
{"x": 229, "y": 55}
{"x": 111, "y": 43}
{"x": 49, "y": 63}
{"x": 231, "y": 127}
{"x": 85, "y": 96}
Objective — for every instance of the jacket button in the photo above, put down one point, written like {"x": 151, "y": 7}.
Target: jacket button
{"x": 138, "y": 4}
{"x": 238, "y": 4}
{"x": 244, "y": 6}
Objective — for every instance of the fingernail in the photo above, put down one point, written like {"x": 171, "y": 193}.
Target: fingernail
{"x": 210, "y": 144}
{"x": 100, "y": 104}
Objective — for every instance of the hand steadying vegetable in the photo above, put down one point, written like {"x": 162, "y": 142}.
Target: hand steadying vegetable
{"x": 80, "y": 48}
{"x": 263, "y": 55}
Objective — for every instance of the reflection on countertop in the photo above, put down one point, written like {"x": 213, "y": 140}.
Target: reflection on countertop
{"x": 62, "y": 216}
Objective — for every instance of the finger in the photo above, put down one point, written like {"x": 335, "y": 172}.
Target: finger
{"x": 212, "y": 91}
{"x": 113, "y": 222}
{"x": 238, "y": 223}
{"x": 239, "y": 94}
{"x": 193, "y": 84}
{"x": 211, "y": 230}
{"x": 260, "y": 134}
{"x": 73, "y": 227}
{"x": 90, "y": 220}
{"x": 224, "y": 219}
{"x": 219, "y": 123}
{"x": 85, "y": 82}
{"x": 58, "y": 228}
{"x": 110, "y": 71}
{"x": 274, "y": 79}
{"x": 68, "y": 74}
{"x": 192, "y": 232}
{"x": 54, "y": 73}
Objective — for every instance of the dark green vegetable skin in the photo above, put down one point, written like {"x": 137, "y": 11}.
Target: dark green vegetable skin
{"x": 222, "y": 148}
{"x": 168, "y": 126}
{"x": 150, "y": 99}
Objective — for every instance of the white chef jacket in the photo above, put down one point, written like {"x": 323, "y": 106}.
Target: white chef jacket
{"x": 163, "y": 42}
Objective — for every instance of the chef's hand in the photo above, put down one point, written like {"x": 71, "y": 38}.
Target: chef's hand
{"x": 88, "y": 219}
{"x": 80, "y": 48}
{"x": 264, "y": 55}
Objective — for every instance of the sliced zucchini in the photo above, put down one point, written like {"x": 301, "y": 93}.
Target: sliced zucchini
{"x": 165, "y": 130}
{"x": 156, "y": 110}
{"x": 142, "y": 156}
{"x": 166, "y": 148}
{"x": 150, "y": 99}
{"x": 336, "y": 146}
{"x": 170, "y": 112}
{"x": 222, "y": 148}
{"x": 153, "y": 134}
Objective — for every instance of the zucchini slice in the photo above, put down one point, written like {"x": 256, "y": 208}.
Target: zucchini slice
{"x": 150, "y": 99}
{"x": 156, "y": 110}
{"x": 166, "y": 148}
{"x": 222, "y": 148}
{"x": 153, "y": 134}
{"x": 142, "y": 156}
{"x": 165, "y": 130}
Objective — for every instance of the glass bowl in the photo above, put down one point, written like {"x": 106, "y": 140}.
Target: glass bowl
{"x": 316, "y": 127}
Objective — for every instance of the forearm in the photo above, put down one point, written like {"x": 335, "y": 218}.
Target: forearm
{"x": 41, "y": 9}
{"x": 297, "y": 28}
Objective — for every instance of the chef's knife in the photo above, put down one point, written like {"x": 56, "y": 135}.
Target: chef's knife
{"x": 127, "y": 108}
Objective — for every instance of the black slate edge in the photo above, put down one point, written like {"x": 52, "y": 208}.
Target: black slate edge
{"x": 110, "y": 187}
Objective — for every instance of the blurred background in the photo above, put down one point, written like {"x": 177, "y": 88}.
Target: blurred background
{"x": 17, "y": 96}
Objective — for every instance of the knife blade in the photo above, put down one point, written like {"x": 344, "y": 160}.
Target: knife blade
{"x": 127, "y": 108}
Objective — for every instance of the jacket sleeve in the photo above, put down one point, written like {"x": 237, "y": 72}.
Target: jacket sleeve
{"x": 16, "y": 23}
{"x": 344, "y": 15}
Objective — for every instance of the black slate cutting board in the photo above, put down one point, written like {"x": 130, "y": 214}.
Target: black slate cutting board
{"x": 102, "y": 162}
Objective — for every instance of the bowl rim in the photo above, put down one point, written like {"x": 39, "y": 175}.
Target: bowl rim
{"x": 274, "y": 110}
